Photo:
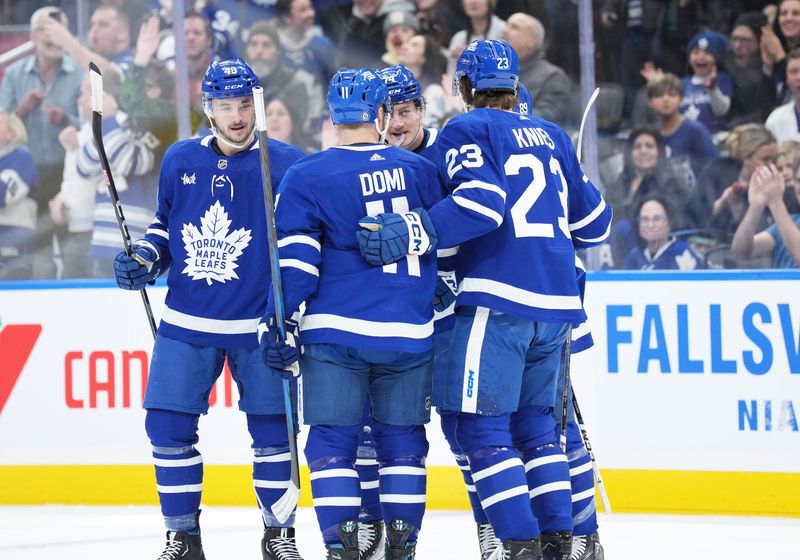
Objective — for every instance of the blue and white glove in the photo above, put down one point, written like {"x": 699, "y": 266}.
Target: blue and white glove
{"x": 445, "y": 293}
{"x": 134, "y": 272}
{"x": 282, "y": 357}
{"x": 387, "y": 238}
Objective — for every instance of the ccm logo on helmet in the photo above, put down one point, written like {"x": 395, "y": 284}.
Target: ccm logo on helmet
{"x": 234, "y": 86}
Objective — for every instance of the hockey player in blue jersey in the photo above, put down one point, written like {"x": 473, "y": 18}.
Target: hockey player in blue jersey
{"x": 210, "y": 232}
{"x": 366, "y": 330}
{"x": 519, "y": 206}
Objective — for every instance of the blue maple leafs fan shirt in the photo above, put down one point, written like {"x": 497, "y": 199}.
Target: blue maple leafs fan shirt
{"x": 210, "y": 229}
{"x": 519, "y": 205}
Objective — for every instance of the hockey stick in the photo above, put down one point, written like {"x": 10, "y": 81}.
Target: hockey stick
{"x": 585, "y": 116}
{"x": 585, "y": 436}
{"x": 96, "y": 81}
{"x": 283, "y": 508}
{"x": 568, "y": 344}
{"x": 567, "y": 386}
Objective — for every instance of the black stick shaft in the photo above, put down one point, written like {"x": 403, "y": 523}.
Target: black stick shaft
{"x": 96, "y": 80}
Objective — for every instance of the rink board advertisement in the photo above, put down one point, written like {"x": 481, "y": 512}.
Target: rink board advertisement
{"x": 691, "y": 395}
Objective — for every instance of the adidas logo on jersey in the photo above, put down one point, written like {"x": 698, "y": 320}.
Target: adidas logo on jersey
{"x": 377, "y": 157}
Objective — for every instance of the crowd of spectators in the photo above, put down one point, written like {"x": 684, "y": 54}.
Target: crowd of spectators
{"x": 698, "y": 126}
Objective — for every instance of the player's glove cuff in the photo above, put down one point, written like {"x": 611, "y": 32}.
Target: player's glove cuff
{"x": 281, "y": 356}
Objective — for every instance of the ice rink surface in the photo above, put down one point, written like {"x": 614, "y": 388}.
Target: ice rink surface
{"x": 122, "y": 533}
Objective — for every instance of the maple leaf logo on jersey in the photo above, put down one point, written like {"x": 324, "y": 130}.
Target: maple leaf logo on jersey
{"x": 211, "y": 252}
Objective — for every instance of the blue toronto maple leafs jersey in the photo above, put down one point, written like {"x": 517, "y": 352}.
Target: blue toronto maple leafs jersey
{"x": 519, "y": 205}
{"x": 443, "y": 320}
{"x": 210, "y": 227}
{"x": 348, "y": 301}
{"x": 677, "y": 254}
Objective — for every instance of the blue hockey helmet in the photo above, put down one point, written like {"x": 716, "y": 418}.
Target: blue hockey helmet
{"x": 488, "y": 65}
{"x": 229, "y": 78}
{"x": 524, "y": 104}
{"x": 401, "y": 85}
{"x": 355, "y": 95}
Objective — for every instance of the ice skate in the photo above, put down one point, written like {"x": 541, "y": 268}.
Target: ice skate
{"x": 348, "y": 549}
{"x": 397, "y": 545}
{"x": 371, "y": 541}
{"x": 587, "y": 547}
{"x": 278, "y": 544}
{"x": 557, "y": 546}
{"x": 183, "y": 546}
{"x": 487, "y": 540}
{"x": 518, "y": 550}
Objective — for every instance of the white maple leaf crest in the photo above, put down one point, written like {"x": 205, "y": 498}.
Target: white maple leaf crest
{"x": 211, "y": 251}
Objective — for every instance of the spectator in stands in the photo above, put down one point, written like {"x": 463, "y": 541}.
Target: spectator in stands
{"x": 551, "y": 89}
{"x": 303, "y": 44}
{"x": 147, "y": 92}
{"x": 753, "y": 90}
{"x": 645, "y": 174}
{"x": 689, "y": 142}
{"x": 440, "y": 19}
{"x": 135, "y": 175}
{"x": 660, "y": 249}
{"x": 285, "y": 124}
{"x": 483, "y": 24}
{"x": 73, "y": 206}
{"x": 783, "y": 122}
{"x": 422, "y": 55}
{"x": 720, "y": 199}
{"x": 781, "y": 240}
{"x": 357, "y": 33}
{"x": 398, "y": 27}
{"x": 198, "y": 39}
{"x": 787, "y": 153}
{"x": 19, "y": 183}
{"x": 295, "y": 87}
{"x": 109, "y": 40}
{"x": 635, "y": 23}
{"x": 42, "y": 89}
{"x": 707, "y": 91}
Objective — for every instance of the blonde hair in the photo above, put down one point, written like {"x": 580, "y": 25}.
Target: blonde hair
{"x": 788, "y": 148}
{"x": 16, "y": 126}
{"x": 745, "y": 139}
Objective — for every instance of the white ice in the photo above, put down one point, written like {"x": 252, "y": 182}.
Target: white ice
{"x": 123, "y": 533}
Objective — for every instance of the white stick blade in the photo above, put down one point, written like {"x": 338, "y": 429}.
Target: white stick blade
{"x": 286, "y": 504}
{"x": 96, "y": 81}
{"x": 258, "y": 101}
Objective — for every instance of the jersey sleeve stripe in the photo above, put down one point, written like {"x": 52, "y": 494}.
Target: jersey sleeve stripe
{"x": 518, "y": 295}
{"x": 479, "y": 209}
{"x": 451, "y": 252}
{"x": 595, "y": 239}
{"x": 303, "y": 239}
{"x": 203, "y": 324}
{"x": 300, "y": 265}
{"x": 590, "y": 218}
{"x": 366, "y": 328}
{"x": 482, "y": 185}
{"x": 158, "y": 232}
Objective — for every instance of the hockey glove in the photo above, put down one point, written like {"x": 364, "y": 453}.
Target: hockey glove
{"x": 134, "y": 272}
{"x": 445, "y": 294}
{"x": 282, "y": 357}
{"x": 387, "y": 238}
